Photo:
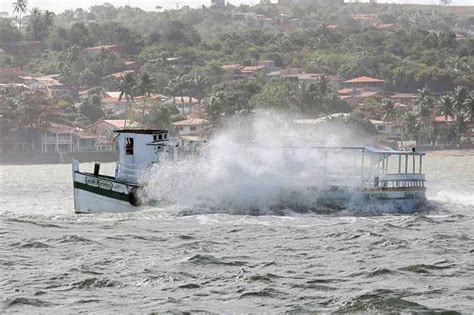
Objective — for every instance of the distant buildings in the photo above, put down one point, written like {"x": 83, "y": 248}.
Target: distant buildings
{"x": 184, "y": 104}
{"x": 48, "y": 84}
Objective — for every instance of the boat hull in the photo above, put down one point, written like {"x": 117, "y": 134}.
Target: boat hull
{"x": 101, "y": 194}
{"x": 377, "y": 200}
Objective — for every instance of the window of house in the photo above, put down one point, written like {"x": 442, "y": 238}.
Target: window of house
{"x": 381, "y": 128}
{"x": 181, "y": 128}
{"x": 193, "y": 128}
{"x": 129, "y": 146}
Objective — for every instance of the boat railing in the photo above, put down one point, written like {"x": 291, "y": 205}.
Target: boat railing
{"x": 399, "y": 181}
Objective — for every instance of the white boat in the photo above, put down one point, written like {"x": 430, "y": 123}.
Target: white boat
{"x": 360, "y": 178}
{"x": 371, "y": 179}
{"x": 138, "y": 151}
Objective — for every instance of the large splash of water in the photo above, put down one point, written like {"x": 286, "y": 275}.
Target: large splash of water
{"x": 253, "y": 166}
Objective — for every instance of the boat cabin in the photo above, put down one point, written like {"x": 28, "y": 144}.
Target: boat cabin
{"x": 376, "y": 168}
{"x": 139, "y": 149}
{"x": 392, "y": 169}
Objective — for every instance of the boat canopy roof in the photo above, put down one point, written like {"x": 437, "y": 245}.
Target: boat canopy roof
{"x": 390, "y": 151}
{"x": 141, "y": 131}
{"x": 369, "y": 150}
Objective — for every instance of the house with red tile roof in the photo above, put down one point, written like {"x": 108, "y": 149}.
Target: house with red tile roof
{"x": 365, "y": 82}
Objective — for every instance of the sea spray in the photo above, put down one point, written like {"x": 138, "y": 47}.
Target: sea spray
{"x": 265, "y": 164}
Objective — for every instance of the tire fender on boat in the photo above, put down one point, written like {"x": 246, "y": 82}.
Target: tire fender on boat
{"x": 133, "y": 197}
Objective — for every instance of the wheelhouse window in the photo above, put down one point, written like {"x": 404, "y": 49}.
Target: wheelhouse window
{"x": 128, "y": 146}
{"x": 158, "y": 137}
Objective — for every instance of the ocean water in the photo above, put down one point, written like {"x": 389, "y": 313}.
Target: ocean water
{"x": 170, "y": 260}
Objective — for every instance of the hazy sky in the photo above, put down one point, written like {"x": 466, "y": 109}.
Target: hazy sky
{"x": 61, "y": 5}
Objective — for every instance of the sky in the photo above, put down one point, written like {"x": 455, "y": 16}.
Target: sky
{"x": 61, "y": 5}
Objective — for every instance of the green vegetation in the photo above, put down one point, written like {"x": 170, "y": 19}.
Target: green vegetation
{"x": 423, "y": 50}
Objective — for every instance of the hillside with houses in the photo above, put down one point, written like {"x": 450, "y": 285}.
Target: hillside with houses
{"x": 400, "y": 73}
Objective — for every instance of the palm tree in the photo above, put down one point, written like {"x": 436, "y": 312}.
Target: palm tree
{"x": 48, "y": 18}
{"x": 446, "y": 106}
{"x": 146, "y": 84}
{"x": 461, "y": 109}
{"x": 215, "y": 107}
{"x": 199, "y": 82}
{"x": 323, "y": 85}
{"x": 410, "y": 124}
{"x": 304, "y": 95}
{"x": 127, "y": 86}
{"x": 20, "y": 7}
{"x": 36, "y": 23}
{"x": 424, "y": 109}
{"x": 389, "y": 110}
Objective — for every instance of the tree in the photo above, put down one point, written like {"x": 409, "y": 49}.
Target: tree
{"x": 91, "y": 108}
{"x": 36, "y": 24}
{"x": 145, "y": 85}
{"x": 20, "y": 7}
{"x": 155, "y": 115}
{"x": 305, "y": 96}
{"x": 198, "y": 83}
{"x": 277, "y": 95}
{"x": 410, "y": 125}
{"x": 215, "y": 107}
{"x": 446, "y": 106}
{"x": 388, "y": 109}
{"x": 462, "y": 107}
{"x": 127, "y": 87}
{"x": 48, "y": 18}
{"x": 424, "y": 105}
{"x": 8, "y": 32}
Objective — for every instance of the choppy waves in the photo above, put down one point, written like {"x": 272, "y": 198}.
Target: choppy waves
{"x": 228, "y": 263}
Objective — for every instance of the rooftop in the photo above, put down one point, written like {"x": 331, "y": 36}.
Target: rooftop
{"x": 105, "y": 47}
{"x": 142, "y": 131}
{"x": 117, "y": 123}
{"x": 231, "y": 67}
{"x": 364, "y": 79}
{"x": 191, "y": 122}
{"x": 119, "y": 75}
{"x": 250, "y": 69}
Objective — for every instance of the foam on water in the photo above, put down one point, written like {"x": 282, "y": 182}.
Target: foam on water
{"x": 252, "y": 167}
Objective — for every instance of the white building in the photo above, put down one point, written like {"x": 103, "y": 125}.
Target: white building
{"x": 192, "y": 133}
{"x": 191, "y": 127}
{"x": 184, "y": 104}
{"x": 67, "y": 139}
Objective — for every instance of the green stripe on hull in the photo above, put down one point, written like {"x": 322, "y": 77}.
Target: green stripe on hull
{"x": 103, "y": 192}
